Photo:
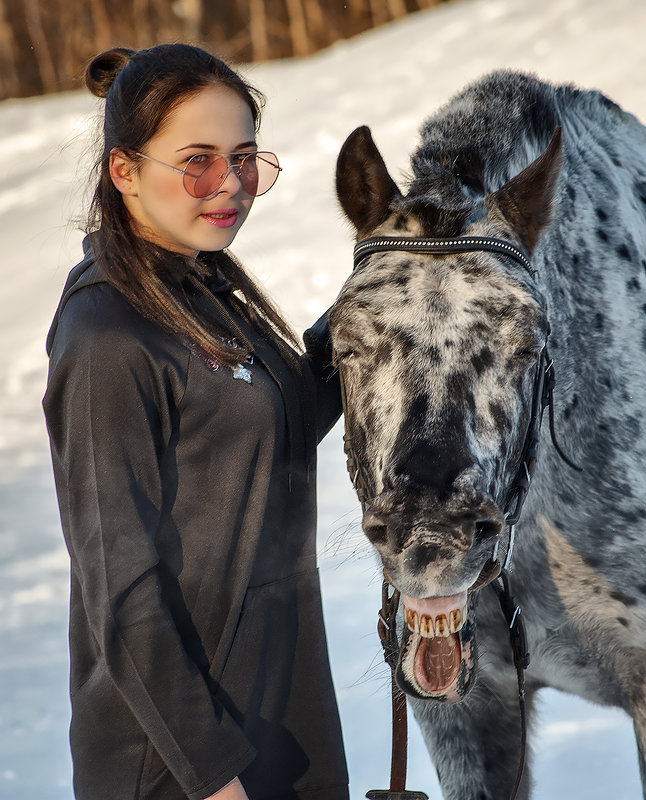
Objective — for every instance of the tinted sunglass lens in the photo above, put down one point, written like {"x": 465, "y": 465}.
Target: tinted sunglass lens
{"x": 258, "y": 172}
{"x": 248, "y": 174}
{"x": 204, "y": 174}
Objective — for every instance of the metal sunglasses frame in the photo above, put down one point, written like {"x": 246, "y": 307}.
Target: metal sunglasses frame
{"x": 231, "y": 167}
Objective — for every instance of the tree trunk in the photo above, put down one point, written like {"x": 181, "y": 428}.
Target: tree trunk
{"x": 301, "y": 45}
{"x": 69, "y": 55}
{"x": 258, "y": 30}
{"x": 322, "y": 33}
{"x": 9, "y": 78}
{"x": 40, "y": 46}
{"x": 379, "y": 13}
{"x": 192, "y": 11}
{"x": 102, "y": 26}
{"x": 141, "y": 13}
{"x": 397, "y": 8}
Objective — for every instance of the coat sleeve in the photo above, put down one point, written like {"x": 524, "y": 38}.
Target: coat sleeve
{"x": 109, "y": 419}
{"x": 318, "y": 354}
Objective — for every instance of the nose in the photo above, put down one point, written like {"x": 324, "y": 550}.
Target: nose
{"x": 462, "y": 522}
{"x": 232, "y": 182}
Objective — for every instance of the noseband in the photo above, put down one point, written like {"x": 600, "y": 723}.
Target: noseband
{"x": 495, "y": 571}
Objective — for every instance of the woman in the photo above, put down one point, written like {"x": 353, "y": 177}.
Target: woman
{"x": 183, "y": 429}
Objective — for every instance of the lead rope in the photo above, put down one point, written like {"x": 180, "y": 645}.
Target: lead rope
{"x": 387, "y": 630}
{"x": 518, "y": 639}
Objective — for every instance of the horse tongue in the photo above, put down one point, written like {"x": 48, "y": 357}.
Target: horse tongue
{"x": 437, "y": 663}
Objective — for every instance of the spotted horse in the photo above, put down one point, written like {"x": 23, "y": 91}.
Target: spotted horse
{"x": 537, "y": 196}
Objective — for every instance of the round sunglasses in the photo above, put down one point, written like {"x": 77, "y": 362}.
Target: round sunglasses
{"x": 204, "y": 173}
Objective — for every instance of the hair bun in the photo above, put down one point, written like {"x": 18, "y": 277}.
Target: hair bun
{"x": 104, "y": 68}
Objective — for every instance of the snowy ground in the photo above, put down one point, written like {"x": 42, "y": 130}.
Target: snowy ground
{"x": 295, "y": 241}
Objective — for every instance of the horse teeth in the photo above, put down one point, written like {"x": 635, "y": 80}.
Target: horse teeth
{"x": 426, "y": 626}
{"x": 430, "y": 627}
{"x": 412, "y": 620}
{"x": 455, "y": 621}
{"x": 441, "y": 626}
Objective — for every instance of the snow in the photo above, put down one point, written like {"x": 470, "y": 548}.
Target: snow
{"x": 297, "y": 242}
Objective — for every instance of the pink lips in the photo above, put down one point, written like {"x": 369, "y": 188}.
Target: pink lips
{"x": 224, "y": 218}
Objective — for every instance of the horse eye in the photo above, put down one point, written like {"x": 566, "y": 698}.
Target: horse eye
{"x": 527, "y": 353}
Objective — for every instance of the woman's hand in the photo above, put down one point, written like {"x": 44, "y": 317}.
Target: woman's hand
{"x": 232, "y": 791}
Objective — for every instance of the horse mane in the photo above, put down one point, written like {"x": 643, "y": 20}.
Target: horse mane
{"x": 474, "y": 144}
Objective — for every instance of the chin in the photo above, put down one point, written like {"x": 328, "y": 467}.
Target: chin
{"x": 218, "y": 241}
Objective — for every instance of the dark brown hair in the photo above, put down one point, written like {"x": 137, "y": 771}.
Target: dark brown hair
{"x": 141, "y": 89}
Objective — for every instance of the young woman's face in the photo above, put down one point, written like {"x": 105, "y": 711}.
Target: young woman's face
{"x": 216, "y": 120}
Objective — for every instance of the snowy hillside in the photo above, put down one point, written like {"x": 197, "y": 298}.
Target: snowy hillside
{"x": 297, "y": 242}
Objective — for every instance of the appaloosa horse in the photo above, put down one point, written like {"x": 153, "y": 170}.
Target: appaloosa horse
{"x": 537, "y": 194}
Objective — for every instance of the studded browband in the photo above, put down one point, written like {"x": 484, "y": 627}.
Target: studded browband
{"x": 462, "y": 244}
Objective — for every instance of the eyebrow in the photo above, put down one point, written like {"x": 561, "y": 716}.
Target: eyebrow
{"x": 198, "y": 146}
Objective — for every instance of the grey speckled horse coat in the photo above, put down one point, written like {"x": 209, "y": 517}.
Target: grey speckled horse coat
{"x": 439, "y": 354}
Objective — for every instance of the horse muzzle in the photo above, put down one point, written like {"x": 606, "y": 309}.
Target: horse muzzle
{"x": 437, "y": 566}
{"x": 434, "y": 554}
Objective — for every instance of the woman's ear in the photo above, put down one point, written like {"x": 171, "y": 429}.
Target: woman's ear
{"x": 124, "y": 173}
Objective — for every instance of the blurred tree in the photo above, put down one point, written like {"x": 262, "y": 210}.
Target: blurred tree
{"x": 191, "y": 10}
{"x": 45, "y": 44}
{"x": 9, "y": 78}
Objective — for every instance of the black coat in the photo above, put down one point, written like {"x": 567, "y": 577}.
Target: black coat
{"x": 187, "y": 500}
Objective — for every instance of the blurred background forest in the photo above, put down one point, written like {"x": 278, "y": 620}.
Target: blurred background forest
{"x": 44, "y": 44}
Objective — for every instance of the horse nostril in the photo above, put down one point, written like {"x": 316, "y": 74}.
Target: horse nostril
{"x": 375, "y": 527}
{"x": 488, "y": 529}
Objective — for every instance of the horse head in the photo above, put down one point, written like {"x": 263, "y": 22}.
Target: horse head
{"x": 439, "y": 355}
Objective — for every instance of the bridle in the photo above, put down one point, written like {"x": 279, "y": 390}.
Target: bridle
{"x": 495, "y": 571}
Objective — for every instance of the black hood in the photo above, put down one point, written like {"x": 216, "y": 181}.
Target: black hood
{"x": 90, "y": 271}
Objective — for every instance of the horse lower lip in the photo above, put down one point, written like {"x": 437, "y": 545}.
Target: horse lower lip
{"x": 435, "y": 669}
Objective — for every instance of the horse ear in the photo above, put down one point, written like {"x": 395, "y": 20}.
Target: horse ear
{"x": 526, "y": 200}
{"x": 363, "y": 185}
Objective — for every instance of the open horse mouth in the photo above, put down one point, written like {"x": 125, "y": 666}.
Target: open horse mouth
{"x": 436, "y": 654}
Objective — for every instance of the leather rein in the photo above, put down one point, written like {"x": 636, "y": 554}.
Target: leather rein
{"x": 495, "y": 571}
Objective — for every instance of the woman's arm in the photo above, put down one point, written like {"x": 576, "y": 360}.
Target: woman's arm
{"x": 318, "y": 354}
